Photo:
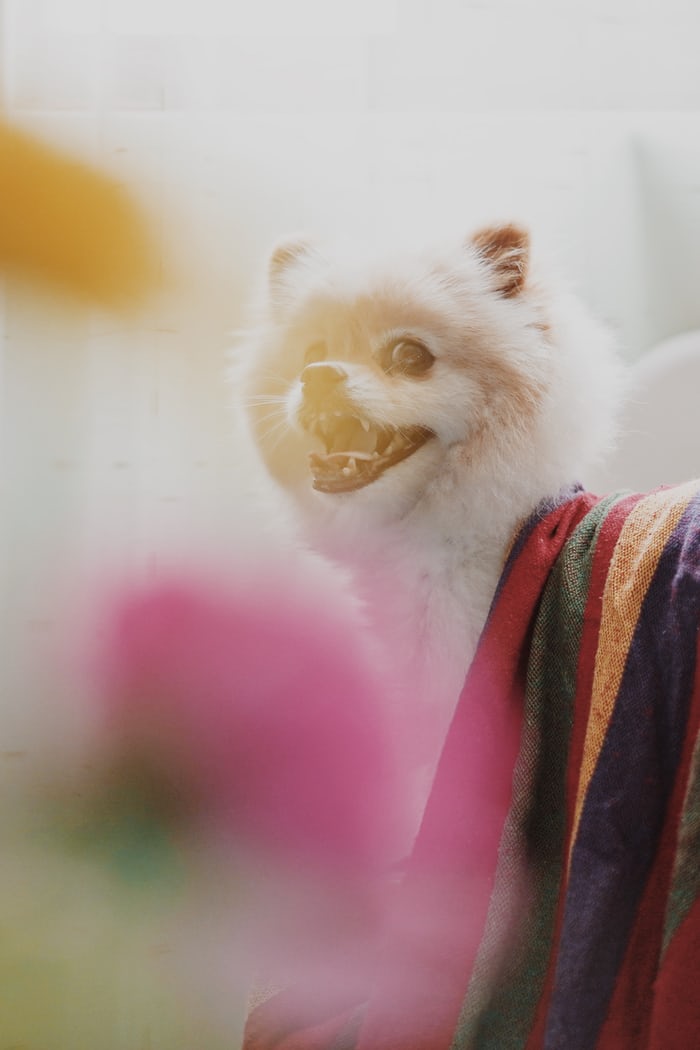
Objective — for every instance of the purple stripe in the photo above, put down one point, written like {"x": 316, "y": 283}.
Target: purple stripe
{"x": 628, "y": 794}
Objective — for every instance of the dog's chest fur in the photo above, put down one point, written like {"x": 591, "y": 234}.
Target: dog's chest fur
{"x": 417, "y": 410}
{"x": 426, "y": 593}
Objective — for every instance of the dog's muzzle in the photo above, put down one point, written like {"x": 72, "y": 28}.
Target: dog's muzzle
{"x": 358, "y": 451}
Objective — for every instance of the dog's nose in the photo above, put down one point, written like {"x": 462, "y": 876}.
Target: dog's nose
{"x": 321, "y": 379}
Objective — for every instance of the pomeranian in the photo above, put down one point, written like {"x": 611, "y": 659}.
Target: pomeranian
{"x": 418, "y": 408}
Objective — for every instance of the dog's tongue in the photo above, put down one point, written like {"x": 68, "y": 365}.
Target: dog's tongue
{"x": 336, "y": 463}
{"x": 342, "y": 471}
{"x": 349, "y": 467}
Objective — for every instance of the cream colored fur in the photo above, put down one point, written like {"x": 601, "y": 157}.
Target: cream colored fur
{"x": 520, "y": 399}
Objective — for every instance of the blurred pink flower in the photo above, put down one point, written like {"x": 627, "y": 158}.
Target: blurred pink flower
{"x": 259, "y": 715}
{"x": 262, "y": 711}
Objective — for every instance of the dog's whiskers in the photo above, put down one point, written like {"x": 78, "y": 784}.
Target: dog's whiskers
{"x": 261, "y": 400}
{"x": 280, "y": 430}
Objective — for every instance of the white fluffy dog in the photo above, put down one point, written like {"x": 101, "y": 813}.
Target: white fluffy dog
{"x": 418, "y": 409}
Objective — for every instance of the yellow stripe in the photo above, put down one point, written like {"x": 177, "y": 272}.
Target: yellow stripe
{"x": 640, "y": 544}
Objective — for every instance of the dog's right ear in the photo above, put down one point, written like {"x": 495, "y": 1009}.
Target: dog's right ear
{"x": 288, "y": 257}
{"x": 505, "y": 249}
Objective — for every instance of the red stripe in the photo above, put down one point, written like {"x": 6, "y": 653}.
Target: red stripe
{"x": 675, "y": 1024}
{"x": 491, "y": 705}
{"x": 630, "y": 1012}
{"x": 605, "y": 546}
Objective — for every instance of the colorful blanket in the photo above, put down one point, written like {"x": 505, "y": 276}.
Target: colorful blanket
{"x": 588, "y": 934}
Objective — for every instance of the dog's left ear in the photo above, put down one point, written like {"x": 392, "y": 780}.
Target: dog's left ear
{"x": 506, "y": 250}
{"x": 286, "y": 259}
{"x": 285, "y": 253}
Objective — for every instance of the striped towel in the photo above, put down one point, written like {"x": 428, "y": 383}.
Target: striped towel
{"x": 587, "y": 910}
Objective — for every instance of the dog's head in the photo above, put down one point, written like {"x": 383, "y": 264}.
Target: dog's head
{"x": 372, "y": 384}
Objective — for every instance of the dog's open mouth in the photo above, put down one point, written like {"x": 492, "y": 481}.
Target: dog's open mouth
{"x": 358, "y": 452}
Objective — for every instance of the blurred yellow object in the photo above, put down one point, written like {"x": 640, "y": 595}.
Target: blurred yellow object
{"x": 70, "y": 225}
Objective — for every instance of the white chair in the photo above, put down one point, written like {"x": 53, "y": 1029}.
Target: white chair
{"x": 659, "y": 440}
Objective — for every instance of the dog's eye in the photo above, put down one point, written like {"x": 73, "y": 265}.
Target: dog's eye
{"x": 315, "y": 352}
{"x": 407, "y": 357}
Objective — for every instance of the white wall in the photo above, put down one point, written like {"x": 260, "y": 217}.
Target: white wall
{"x": 581, "y": 116}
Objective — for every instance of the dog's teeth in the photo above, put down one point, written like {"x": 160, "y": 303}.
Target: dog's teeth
{"x": 365, "y": 424}
{"x": 352, "y": 464}
{"x": 346, "y": 472}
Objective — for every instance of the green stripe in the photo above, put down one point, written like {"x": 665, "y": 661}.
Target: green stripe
{"x": 532, "y": 851}
{"x": 685, "y": 885}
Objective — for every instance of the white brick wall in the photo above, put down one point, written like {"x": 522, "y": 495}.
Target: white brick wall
{"x": 570, "y": 114}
